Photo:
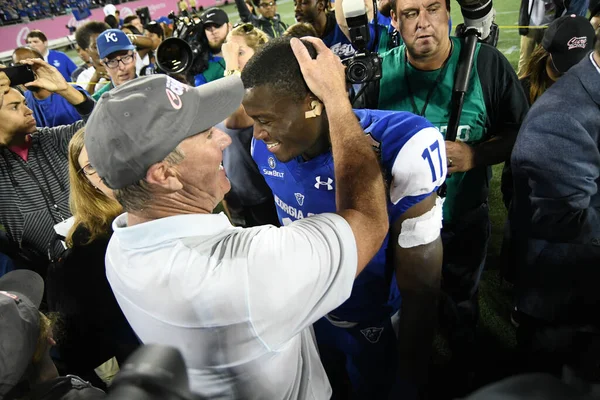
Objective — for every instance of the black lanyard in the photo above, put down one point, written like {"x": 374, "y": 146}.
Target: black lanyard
{"x": 431, "y": 91}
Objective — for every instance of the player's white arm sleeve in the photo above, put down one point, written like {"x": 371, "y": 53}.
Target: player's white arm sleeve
{"x": 298, "y": 274}
{"x": 419, "y": 169}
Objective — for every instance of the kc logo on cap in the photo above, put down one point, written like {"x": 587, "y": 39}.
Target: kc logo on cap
{"x": 110, "y": 37}
{"x": 577, "y": 42}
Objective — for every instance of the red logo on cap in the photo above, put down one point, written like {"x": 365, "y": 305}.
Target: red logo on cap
{"x": 174, "y": 99}
{"x": 174, "y": 90}
{"x": 577, "y": 42}
{"x": 12, "y": 296}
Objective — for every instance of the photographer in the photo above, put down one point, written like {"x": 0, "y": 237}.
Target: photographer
{"x": 49, "y": 109}
{"x": 34, "y": 190}
{"x": 216, "y": 27}
{"x": 269, "y": 21}
{"x": 229, "y": 296}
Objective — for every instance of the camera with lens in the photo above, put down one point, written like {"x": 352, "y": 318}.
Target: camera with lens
{"x": 152, "y": 372}
{"x": 186, "y": 51}
{"x": 364, "y": 66}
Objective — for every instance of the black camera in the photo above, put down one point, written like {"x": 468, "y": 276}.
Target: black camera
{"x": 152, "y": 372}
{"x": 363, "y": 68}
{"x": 365, "y": 65}
{"x": 187, "y": 51}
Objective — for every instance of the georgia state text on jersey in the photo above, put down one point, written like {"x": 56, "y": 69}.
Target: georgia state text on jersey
{"x": 412, "y": 153}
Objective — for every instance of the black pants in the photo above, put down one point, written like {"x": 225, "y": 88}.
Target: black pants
{"x": 465, "y": 247}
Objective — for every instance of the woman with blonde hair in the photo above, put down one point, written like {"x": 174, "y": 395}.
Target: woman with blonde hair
{"x": 250, "y": 201}
{"x": 95, "y": 329}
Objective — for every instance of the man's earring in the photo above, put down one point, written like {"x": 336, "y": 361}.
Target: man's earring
{"x": 316, "y": 109}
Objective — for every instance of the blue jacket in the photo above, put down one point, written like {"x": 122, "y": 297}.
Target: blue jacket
{"x": 556, "y": 221}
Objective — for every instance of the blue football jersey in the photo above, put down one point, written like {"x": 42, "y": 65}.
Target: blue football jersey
{"x": 412, "y": 153}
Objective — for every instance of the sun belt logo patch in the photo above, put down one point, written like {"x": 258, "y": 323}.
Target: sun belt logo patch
{"x": 372, "y": 334}
{"x": 272, "y": 163}
{"x": 577, "y": 42}
{"x": 321, "y": 183}
{"x": 299, "y": 198}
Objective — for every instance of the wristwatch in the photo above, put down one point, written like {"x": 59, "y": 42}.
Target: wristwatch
{"x": 230, "y": 72}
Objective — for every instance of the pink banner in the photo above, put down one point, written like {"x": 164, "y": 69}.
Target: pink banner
{"x": 13, "y": 36}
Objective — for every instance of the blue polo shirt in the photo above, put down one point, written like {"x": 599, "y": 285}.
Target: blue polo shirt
{"x": 62, "y": 62}
{"x": 53, "y": 110}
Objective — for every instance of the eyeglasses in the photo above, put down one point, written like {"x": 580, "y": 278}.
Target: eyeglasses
{"x": 269, "y": 4}
{"x": 114, "y": 63}
{"x": 87, "y": 169}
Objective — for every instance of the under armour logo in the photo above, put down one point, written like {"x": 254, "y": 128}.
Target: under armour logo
{"x": 372, "y": 334}
{"x": 272, "y": 163}
{"x": 322, "y": 183}
{"x": 111, "y": 37}
{"x": 299, "y": 198}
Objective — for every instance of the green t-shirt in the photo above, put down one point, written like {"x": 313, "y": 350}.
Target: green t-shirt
{"x": 495, "y": 104}
{"x": 465, "y": 189}
{"x": 104, "y": 89}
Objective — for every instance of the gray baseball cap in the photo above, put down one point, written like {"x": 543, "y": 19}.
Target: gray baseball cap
{"x": 21, "y": 293}
{"x": 140, "y": 122}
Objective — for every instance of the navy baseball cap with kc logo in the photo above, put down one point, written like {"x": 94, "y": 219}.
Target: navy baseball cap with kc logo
{"x": 142, "y": 121}
{"x": 568, "y": 39}
{"x": 113, "y": 40}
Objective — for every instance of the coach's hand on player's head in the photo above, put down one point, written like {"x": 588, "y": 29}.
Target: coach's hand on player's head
{"x": 325, "y": 76}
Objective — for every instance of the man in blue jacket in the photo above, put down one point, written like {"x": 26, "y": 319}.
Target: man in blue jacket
{"x": 38, "y": 40}
{"x": 556, "y": 224}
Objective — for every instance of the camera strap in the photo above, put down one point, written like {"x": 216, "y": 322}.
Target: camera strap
{"x": 431, "y": 90}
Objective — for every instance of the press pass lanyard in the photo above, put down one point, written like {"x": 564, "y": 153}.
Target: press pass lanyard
{"x": 431, "y": 91}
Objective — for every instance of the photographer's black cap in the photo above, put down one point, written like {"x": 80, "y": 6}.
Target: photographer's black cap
{"x": 568, "y": 39}
{"x": 214, "y": 16}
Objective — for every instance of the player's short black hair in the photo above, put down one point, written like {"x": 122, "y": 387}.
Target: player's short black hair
{"x": 394, "y": 3}
{"x": 83, "y": 33}
{"x": 275, "y": 65}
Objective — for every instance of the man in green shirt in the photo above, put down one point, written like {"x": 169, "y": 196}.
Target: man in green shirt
{"x": 117, "y": 53}
{"x": 418, "y": 77}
